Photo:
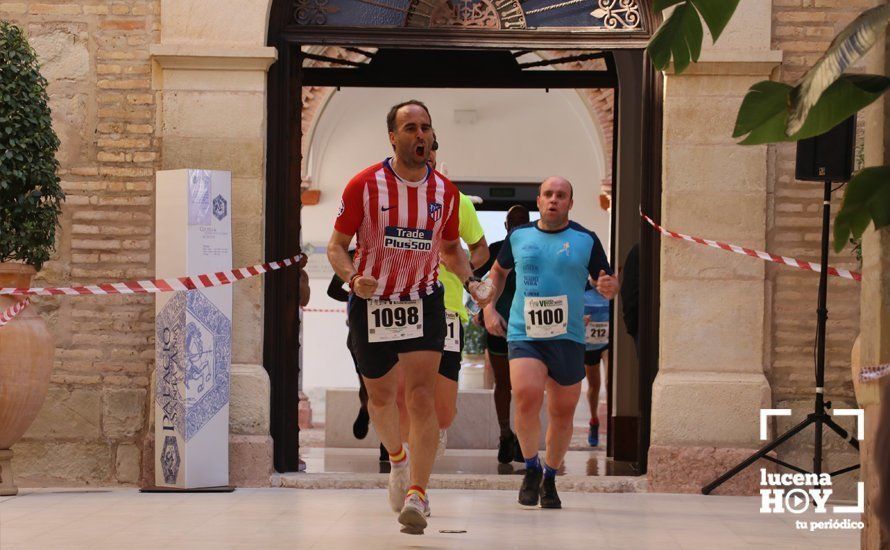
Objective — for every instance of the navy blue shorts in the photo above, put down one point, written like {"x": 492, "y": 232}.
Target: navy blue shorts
{"x": 564, "y": 359}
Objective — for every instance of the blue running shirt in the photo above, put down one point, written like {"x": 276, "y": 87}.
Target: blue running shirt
{"x": 597, "y": 307}
{"x": 551, "y": 264}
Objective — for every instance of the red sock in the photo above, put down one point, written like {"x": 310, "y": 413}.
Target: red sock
{"x": 594, "y": 421}
{"x": 418, "y": 490}
{"x": 398, "y": 457}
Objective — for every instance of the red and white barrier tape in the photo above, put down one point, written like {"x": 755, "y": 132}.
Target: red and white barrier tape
{"x": 153, "y": 286}
{"x": 800, "y": 264}
{"x": 9, "y": 314}
{"x": 870, "y": 374}
{"x": 322, "y": 310}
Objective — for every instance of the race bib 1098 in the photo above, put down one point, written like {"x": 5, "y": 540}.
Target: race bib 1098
{"x": 389, "y": 321}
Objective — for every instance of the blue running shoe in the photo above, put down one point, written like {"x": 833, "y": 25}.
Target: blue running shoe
{"x": 593, "y": 435}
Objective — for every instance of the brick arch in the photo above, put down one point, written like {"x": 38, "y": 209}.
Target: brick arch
{"x": 600, "y": 103}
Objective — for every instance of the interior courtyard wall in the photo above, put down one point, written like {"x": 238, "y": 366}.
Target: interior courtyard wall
{"x": 95, "y": 56}
{"x": 874, "y": 345}
{"x": 210, "y": 69}
{"x": 711, "y": 383}
{"x": 113, "y": 122}
{"x": 803, "y": 31}
{"x": 136, "y": 86}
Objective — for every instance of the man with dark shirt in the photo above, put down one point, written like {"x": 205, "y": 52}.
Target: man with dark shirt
{"x": 508, "y": 445}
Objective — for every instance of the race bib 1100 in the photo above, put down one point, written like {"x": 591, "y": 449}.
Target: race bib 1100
{"x": 546, "y": 317}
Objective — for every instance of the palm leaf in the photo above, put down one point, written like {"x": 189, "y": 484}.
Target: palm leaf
{"x": 716, "y": 14}
{"x": 866, "y": 200}
{"x": 845, "y": 50}
{"x": 680, "y": 36}
{"x": 763, "y": 115}
{"x": 661, "y": 5}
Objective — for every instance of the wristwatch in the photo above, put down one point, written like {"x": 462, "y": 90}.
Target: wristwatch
{"x": 471, "y": 279}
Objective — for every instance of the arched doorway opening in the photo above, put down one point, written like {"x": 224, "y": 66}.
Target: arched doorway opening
{"x": 463, "y": 57}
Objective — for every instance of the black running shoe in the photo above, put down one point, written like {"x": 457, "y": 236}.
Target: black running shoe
{"x": 384, "y": 454}
{"x": 360, "y": 426}
{"x": 517, "y": 452}
{"x": 549, "y": 498}
{"x": 507, "y": 448}
{"x": 531, "y": 487}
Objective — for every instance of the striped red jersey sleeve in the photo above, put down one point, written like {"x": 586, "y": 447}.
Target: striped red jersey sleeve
{"x": 352, "y": 208}
{"x": 451, "y": 228}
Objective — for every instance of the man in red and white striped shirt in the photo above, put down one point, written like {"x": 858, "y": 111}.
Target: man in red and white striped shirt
{"x": 404, "y": 215}
{"x": 397, "y": 223}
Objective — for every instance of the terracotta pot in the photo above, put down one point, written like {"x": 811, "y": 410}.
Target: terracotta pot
{"x": 26, "y": 359}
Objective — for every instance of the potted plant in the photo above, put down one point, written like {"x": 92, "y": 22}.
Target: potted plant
{"x": 30, "y": 204}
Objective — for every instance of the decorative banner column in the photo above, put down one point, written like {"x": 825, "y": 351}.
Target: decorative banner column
{"x": 193, "y": 346}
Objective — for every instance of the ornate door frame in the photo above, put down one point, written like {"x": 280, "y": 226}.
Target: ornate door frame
{"x": 281, "y": 352}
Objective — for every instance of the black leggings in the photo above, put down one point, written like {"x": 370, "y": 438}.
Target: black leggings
{"x": 362, "y": 390}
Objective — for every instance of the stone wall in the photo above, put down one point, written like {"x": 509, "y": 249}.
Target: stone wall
{"x": 803, "y": 29}
{"x": 95, "y": 55}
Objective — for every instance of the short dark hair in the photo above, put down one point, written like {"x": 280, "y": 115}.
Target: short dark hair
{"x": 391, "y": 116}
{"x": 516, "y": 216}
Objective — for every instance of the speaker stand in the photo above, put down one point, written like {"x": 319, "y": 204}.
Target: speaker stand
{"x": 819, "y": 416}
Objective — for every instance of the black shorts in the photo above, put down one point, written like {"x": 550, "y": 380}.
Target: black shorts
{"x": 495, "y": 344}
{"x": 593, "y": 356}
{"x": 449, "y": 366}
{"x": 378, "y": 358}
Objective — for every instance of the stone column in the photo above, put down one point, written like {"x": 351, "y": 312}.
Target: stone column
{"x": 711, "y": 383}
{"x": 212, "y": 115}
{"x": 874, "y": 304}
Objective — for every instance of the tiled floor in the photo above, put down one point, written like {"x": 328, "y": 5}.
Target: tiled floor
{"x": 489, "y": 520}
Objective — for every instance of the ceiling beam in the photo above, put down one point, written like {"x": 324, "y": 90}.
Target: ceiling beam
{"x": 362, "y": 77}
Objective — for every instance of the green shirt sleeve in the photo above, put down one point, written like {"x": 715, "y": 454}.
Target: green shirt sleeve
{"x": 470, "y": 231}
{"x": 469, "y": 227}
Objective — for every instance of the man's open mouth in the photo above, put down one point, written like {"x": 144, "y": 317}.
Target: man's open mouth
{"x": 419, "y": 150}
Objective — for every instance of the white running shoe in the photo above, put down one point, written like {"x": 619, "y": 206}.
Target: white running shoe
{"x": 443, "y": 442}
{"x": 413, "y": 515}
{"x": 399, "y": 481}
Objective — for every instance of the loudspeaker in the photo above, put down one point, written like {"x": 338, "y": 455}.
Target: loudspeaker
{"x": 828, "y": 157}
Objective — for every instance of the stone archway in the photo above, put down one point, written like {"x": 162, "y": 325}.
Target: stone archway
{"x": 599, "y": 103}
